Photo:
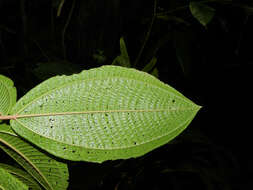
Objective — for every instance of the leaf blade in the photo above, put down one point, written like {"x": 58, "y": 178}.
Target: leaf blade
{"x": 86, "y": 116}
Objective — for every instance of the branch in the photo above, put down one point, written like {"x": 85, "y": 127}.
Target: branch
{"x": 147, "y": 35}
{"x": 65, "y": 28}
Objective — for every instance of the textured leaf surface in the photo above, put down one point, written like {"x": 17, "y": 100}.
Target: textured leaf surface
{"x": 9, "y": 182}
{"x": 8, "y": 95}
{"x": 102, "y": 114}
{"x": 51, "y": 174}
{"x": 22, "y": 176}
{"x": 202, "y": 12}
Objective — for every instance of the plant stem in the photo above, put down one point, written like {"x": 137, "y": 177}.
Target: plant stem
{"x": 60, "y": 7}
{"x": 8, "y": 117}
{"x": 147, "y": 35}
{"x": 65, "y": 28}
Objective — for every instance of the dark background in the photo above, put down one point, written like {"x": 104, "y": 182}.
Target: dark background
{"x": 211, "y": 65}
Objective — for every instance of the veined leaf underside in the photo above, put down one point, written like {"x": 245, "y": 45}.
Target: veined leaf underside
{"x": 83, "y": 116}
{"x": 7, "y": 95}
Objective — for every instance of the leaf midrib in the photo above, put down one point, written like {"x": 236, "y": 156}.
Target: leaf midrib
{"x": 25, "y": 158}
{"x": 117, "y": 148}
{"x": 99, "y": 112}
{"x": 79, "y": 81}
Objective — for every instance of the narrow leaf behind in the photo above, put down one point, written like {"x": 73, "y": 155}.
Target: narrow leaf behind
{"x": 51, "y": 174}
{"x": 123, "y": 59}
{"x": 203, "y": 13}
{"x": 102, "y": 114}
{"x": 9, "y": 182}
{"x": 22, "y": 176}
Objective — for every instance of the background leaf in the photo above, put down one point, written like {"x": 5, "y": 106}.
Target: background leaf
{"x": 22, "y": 176}
{"x": 203, "y": 13}
{"x": 102, "y": 114}
{"x": 9, "y": 182}
{"x": 51, "y": 174}
{"x": 8, "y": 95}
{"x": 123, "y": 58}
{"x": 150, "y": 65}
{"x": 155, "y": 72}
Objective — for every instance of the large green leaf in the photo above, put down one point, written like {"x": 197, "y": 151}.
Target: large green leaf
{"x": 51, "y": 174}
{"x": 102, "y": 114}
{"x": 8, "y": 95}
{"x": 9, "y": 182}
{"x": 22, "y": 176}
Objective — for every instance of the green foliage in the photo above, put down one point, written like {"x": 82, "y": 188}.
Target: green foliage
{"x": 48, "y": 38}
{"x": 102, "y": 114}
{"x": 8, "y": 95}
{"x": 150, "y": 67}
{"x": 203, "y": 13}
{"x": 51, "y": 174}
{"x": 22, "y": 176}
{"x": 123, "y": 59}
{"x": 9, "y": 182}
